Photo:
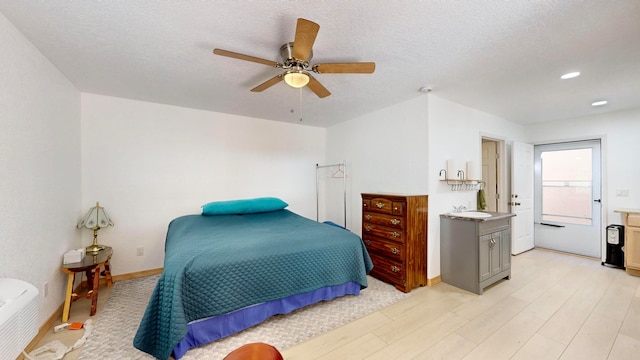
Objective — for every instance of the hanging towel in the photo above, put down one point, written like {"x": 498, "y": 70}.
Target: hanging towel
{"x": 482, "y": 202}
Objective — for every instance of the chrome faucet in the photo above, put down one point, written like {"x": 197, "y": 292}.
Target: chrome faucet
{"x": 461, "y": 208}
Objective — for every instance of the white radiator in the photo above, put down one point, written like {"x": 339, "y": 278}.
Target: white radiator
{"x": 18, "y": 316}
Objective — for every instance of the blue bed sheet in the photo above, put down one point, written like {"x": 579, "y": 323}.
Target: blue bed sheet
{"x": 215, "y": 265}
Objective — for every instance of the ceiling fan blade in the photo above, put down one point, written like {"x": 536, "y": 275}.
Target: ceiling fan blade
{"x": 267, "y": 84}
{"x": 345, "y": 68}
{"x": 235, "y": 55}
{"x": 306, "y": 32}
{"x": 315, "y": 86}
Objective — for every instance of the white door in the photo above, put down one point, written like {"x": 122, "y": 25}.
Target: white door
{"x": 567, "y": 201}
{"x": 521, "y": 197}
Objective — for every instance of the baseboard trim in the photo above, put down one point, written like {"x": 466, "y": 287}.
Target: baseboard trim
{"x": 57, "y": 315}
{"x": 434, "y": 281}
{"x": 138, "y": 274}
{"x": 633, "y": 272}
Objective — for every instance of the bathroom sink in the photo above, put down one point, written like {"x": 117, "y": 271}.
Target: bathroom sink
{"x": 471, "y": 214}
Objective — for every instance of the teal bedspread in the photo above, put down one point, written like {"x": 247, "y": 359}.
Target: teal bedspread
{"x": 217, "y": 264}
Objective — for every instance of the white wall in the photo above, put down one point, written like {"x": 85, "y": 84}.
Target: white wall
{"x": 402, "y": 148}
{"x": 620, "y": 147}
{"x": 385, "y": 151}
{"x": 455, "y": 132}
{"x": 148, "y": 163}
{"x": 394, "y": 150}
{"x": 40, "y": 162}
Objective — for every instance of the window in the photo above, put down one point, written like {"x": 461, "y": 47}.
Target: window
{"x": 567, "y": 186}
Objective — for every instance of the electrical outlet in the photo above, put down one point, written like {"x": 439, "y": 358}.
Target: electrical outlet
{"x": 140, "y": 251}
{"x": 45, "y": 289}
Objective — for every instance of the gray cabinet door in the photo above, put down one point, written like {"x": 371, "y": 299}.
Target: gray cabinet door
{"x": 506, "y": 249}
{"x": 484, "y": 255}
{"x": 495, "y": 253}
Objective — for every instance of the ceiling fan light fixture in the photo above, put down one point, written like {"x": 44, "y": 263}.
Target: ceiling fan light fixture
{"x": 296, "y": 79}
{"x": 296, "y": 70}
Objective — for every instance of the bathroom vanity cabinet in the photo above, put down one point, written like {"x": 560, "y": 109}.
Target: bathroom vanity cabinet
{"x": 475, "y": 252}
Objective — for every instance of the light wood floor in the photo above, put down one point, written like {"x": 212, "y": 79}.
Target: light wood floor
{"x": 555, "y": 306}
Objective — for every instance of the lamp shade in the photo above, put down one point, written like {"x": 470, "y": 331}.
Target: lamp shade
{"x": 95, "y": 218}
{"x": 296, "y": 79}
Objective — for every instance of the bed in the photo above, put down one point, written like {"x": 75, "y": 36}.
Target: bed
{"x": 225, "y": 272}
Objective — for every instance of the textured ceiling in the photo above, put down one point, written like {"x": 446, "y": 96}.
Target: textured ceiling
{"x": 501, "y": 57}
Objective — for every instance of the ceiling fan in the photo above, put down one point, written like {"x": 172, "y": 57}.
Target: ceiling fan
{"x": 295, "y": 60}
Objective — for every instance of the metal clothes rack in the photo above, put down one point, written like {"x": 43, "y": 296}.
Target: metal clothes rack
{"x": 340, "y": 173}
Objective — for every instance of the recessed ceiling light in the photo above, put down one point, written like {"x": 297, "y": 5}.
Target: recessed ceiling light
{"x": 599, "y": 103}
{"x": 570, "y": 75}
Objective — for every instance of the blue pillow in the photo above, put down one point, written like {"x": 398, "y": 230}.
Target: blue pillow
{"x": 246, "y": 206}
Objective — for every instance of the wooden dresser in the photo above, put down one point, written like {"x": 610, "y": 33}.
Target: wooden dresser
{"x": 394, "y": 229}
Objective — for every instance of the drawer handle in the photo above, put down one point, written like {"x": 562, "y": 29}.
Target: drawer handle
{"x": 380, "y": 205}
{"x": 395, "y": 234}
{"x": 395, "y": 221}
{"x": 368, "y": 217}
{"x": 364, "y": 204}
{"x": 367, "y": 228}
{"x": 395, "y": 269}
{"x": 395, "y": 250}
{"x": 367, "y": 242}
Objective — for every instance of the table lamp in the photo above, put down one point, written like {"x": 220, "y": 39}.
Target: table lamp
{"x": 95, "y": 219}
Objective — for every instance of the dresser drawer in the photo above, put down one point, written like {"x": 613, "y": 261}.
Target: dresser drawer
{"x": 390, "y": 249}
{"x": 366, "y": 205}
{"x": 388, "y": 270}
{"x": 384, "y": 220}
{"x": 383, "y": 205}
{"x": 382, "y": 231}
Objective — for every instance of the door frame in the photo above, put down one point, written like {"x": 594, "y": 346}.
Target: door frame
{"x": 604, "y": 194}
{"x": 504, "y": 188}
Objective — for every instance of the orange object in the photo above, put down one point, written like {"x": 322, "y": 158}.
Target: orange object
{"x": 255, "y": 351}
{"x": 76, "y": 326}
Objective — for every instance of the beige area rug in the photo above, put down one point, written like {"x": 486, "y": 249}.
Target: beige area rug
{"x": 117, "y": 323}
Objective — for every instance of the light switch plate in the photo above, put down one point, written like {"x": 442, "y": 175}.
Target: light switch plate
{"x": 622, "y": 192}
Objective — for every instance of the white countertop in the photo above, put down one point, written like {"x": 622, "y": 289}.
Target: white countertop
{"x": 627, "y": 211}
{"x": 494, "y": 216}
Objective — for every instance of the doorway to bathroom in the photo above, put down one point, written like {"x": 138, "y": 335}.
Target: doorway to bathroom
{"x": 490, "y": 176}
{"x": 501, "y": 187}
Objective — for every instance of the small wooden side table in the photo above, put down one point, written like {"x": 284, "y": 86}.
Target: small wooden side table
{"x": 90, "y": 265}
